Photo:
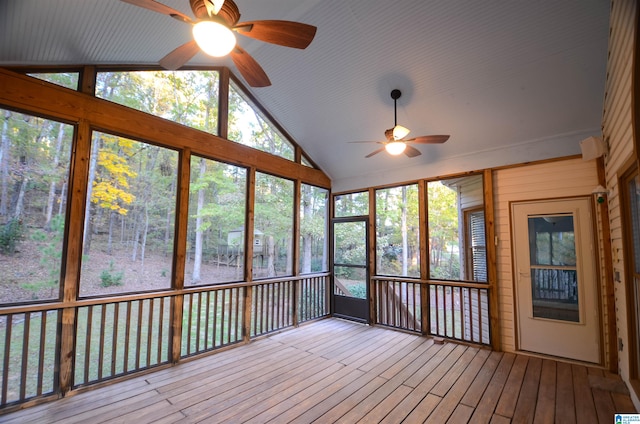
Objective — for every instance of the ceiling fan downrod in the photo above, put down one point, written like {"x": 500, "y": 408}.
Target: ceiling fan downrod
{"x": 395, "y": 95}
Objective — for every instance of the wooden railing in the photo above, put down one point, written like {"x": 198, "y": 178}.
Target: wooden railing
{"x": 459, "y": 311}
{"x": 454, "y": 310}
{"x": 398, "y": 303}
{"x": 117, "y": 336}
{"x": 29, "y": 342}
{"x": 114, "y": 337}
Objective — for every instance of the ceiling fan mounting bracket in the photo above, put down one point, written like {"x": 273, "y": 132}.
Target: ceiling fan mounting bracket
{"x": 396, "y": 94}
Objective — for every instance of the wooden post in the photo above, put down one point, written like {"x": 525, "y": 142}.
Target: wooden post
{"x": 425, "y": 300}
{"x": 76, "y": 211}
{"x": 492, "y": 270}
{"x": 297, "y": 201}
{"x": 372, "y": 255}
{"x": 248, "y": 253}
{"x": 179, "y": 254}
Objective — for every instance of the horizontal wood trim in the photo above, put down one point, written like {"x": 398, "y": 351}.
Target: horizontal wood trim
{"x": 433, "y": 282}
{"x": 48, "y": 306}
{"x": 35, "y": 96}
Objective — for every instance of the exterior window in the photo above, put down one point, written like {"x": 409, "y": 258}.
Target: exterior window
{"x": 476, "y": 258}
{"x": 34, "y": 173}
{"x": 248, "y": 126}
{"x": 313, "y": 229}
{"x": 216, "y": 228}
{"x": 129, "y": 217}
{"x": 189, "y": 98}
{"x": 273, "y": 227}
{"x": 398, "y": 231}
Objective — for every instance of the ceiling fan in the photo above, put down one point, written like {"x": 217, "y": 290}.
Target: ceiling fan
{"x": 396, "y": 144}
{"x": 213, "y": 28}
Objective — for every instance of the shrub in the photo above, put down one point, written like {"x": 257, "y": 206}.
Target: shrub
{"x": 10, "y": 233}
{"x": 111, "y": 278}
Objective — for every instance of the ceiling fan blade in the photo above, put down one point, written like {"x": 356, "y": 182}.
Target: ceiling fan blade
{"x": 179, "y": 56}
{"x": 429, "y": 139}
{"x": 412, "y": 152}
{"x": 160, "y": 8}
{"x": 283, "y": 33}
{"x": 375, "y": 152}
{"x": 249, "y": 68}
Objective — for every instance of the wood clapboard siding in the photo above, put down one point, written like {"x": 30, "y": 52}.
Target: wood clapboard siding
{"x": 618, "y": 132}
{"x": 547, "y": 180}
{"x": 338, "y": 371}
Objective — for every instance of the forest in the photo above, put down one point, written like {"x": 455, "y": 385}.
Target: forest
{"x": 129, "y": 226}
{"x": 130, "y": 211}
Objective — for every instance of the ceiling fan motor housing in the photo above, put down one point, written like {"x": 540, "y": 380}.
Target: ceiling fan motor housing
{"x": 229, "y": 11}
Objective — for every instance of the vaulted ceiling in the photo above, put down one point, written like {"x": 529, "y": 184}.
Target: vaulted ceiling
{"x": 510, "y": 81}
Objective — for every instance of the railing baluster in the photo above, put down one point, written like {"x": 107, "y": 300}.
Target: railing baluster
{"x": 25, "y": 355}
{"x": 7, "y": 354}
{"x": 41, "y": 349}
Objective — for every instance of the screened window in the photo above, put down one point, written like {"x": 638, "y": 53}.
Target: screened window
{"x": 313, "y": 229}
{"x": 64, "y": 79}
{"x": 187, "y": 97}
{"x": 34, "y": 173}
{"x": 351, "y": 204}
{"x": 216, "y": 227}
{"x": 129, "y": 217}
{"x": 398, "y": 231}
{"x": 273, "y": 227}
{"x": 456, "y": 247}
{"x": 248, "y": 126}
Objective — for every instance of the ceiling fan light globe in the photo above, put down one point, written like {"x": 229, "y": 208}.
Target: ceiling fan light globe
{"x": 400, "y": 132}
{"x": 395, "y": 147}
{"x": 214, "y": 38}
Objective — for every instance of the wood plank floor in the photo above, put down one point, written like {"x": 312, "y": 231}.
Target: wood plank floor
{"x": 338, "y": 371}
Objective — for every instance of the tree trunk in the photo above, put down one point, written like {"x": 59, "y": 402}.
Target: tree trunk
{"x": 168, "y": 233}
{"x": 307, "y": 238}
{"x": 197, "y": 256}
{"x": 5, "y": 145}
{"x": 112, "y": 218}
{"x": 93, "y": 163}
{"x": 136, "y": 238}
{"x": 20, "y": 201}
{"x": 52, "y": 185}
{"x": 271, "y": 256}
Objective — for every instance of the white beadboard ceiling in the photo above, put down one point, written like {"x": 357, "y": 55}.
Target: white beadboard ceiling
{"x": 510, "y": 81}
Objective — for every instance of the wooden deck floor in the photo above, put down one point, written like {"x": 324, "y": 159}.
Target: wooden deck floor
{"x": 338, "y": 371}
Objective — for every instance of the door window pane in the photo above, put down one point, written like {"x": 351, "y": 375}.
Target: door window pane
{"x": 352, "y": 204}
{"x": 216, "y": 227}
{"x": 273, "y": 227}
{"x": 350, "y": 259}
{"x": 634, "y": 200}
{"x": 554, "y": 279}
{"x": 129, "y": 218}
{"x": 34, "y": 173}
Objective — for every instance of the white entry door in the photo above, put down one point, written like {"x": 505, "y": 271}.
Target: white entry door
{"x": 557, "y": 298}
